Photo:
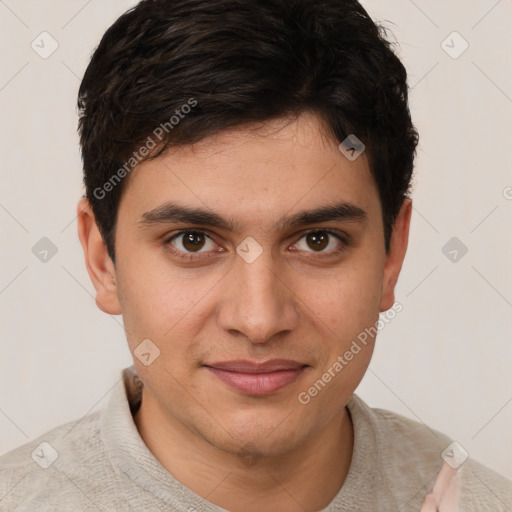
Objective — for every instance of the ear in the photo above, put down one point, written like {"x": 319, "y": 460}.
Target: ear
{"x": 100, "y": 267}
{"x": 395, "y": 255}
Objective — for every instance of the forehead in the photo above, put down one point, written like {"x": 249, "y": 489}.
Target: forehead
{"x": 253, "y": 175}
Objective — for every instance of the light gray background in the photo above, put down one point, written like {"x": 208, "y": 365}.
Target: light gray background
{"x": 444, "y": 360}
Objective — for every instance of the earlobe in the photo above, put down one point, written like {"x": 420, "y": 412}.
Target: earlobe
{"x": 395, "y": 255}
{"x": 97, "y": 260}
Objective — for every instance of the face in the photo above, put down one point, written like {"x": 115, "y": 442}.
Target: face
{"x": 286, "y": 262}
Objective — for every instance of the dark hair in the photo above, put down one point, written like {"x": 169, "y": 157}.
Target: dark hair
{"x": 235, "y": 62}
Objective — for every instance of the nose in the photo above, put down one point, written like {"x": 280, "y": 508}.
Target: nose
{"x": 257, "y": 302}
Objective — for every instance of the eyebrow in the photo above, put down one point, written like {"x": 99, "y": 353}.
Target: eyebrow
{"x": 170, "y": 212}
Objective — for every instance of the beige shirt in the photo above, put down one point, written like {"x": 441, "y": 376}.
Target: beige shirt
{"x": 100, "y": 462}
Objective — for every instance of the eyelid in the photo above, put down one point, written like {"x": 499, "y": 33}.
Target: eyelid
{"x": 169, "y": 239}
{"x": 341, "y": 236}
{"x": 189, "y": 257}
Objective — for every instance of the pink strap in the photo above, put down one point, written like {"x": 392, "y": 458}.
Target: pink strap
{"x": 446, "y": 492}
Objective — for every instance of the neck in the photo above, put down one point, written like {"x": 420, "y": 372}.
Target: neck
{"x": 305, "y": 478}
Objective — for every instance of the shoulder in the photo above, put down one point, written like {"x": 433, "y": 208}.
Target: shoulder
{"x": 55, "y": 469}
{"x": 410, "y": 455}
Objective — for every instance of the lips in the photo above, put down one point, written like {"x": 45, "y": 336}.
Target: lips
{"x": 257, "y": 379}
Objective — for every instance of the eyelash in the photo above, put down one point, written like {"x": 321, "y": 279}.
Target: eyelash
{"x": 344, "y": 239}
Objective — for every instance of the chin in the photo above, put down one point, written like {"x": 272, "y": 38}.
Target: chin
{"x": 258, "y": 438}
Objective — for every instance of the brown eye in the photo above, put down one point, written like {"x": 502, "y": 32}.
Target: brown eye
{"x": 317, "y": 240}
{"x": 191, "y": 242}
{"x": 321, "y": 241}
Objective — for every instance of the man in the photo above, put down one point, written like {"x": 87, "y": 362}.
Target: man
{"x": 247, "y": 168}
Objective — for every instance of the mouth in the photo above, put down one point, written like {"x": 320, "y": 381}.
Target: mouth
{"x": 257, "y": 379}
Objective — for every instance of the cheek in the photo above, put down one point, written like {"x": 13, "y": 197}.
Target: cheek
{"x": 342, "y": 315}
{"x": 155, "y": 301}
{"x": 344, "y": 302}
{"x": 169, "y": 307}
